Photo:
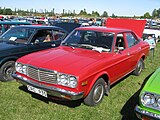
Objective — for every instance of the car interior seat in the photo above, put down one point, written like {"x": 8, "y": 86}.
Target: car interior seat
{"x": 120, "y": 42}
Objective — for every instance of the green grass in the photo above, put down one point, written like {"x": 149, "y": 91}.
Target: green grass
{"x": 17, "y": 104}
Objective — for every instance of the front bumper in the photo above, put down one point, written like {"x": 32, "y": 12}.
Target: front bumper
{"x": 53, "y": 91}
{"x": 141, "y": 114}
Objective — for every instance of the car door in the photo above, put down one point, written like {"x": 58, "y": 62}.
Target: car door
{"x": 134, "y": 48}
{"x": 121, "y": 58}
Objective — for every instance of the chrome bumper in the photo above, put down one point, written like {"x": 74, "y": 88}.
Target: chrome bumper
{"x": 145, "y": 114}
{"x": 50, "y": 90}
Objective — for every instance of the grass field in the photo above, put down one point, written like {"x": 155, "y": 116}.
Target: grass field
{"x": 18, "y": 104}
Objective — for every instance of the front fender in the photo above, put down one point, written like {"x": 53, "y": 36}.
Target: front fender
{"x": 96, "y": 77}
{"x": 2, "y": 61}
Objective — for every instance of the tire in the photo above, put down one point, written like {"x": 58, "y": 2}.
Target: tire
{"x": 139, "y": 67}
{"x": 96, "y": 94}
{"x": 6, "y": 71}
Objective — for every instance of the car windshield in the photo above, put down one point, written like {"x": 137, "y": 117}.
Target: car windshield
{"x": 19, "y": 35}
{"x": 93, "y": 40}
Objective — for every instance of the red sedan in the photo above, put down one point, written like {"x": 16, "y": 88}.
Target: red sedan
{"x": 88, "y": 61}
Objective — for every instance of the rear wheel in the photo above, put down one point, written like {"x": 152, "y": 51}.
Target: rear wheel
{"x": 140, "y": 66}
{"x": 96, "y": 94}
{"x": 6, "y": 71}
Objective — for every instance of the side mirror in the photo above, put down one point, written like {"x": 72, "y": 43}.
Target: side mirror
{"x": 118, "y": 49}
{"x": 121, "y": 48}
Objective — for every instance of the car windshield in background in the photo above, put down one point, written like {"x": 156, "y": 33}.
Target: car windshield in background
{"x": 99, "y": 41}
{"x": 19, "y": 35}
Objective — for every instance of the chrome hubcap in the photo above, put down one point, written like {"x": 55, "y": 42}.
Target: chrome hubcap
{"x": 98, "y": 93}
{"x": 139, "y": 67}
{"x": 9, "y": 72}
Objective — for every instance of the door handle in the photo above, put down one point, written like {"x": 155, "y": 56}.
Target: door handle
{"x": 139, "y": 48}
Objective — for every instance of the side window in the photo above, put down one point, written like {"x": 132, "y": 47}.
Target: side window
{"x": 7, "y": 27}
{"x": 120, "y": 44}
{"x": 58, "y": 35}
{"x": 131, "y": 39}
{"x": 43, "y": 36}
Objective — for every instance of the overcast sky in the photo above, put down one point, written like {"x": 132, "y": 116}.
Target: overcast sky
{"x": 118, "y": 7}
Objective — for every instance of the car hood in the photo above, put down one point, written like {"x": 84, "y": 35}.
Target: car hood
{"x": 63, "y": 59}
{"x": 153, "y": 83}
{"x": 7, "y": 45}
{"x": 132, "y": 24}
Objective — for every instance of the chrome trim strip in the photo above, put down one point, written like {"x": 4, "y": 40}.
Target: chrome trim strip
{"x": 143, "y": 113}
{"x": 49, "y": 89}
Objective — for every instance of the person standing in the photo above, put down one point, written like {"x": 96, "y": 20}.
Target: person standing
{"x": 151, "y": 43}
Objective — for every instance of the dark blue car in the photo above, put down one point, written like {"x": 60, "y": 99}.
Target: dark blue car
{"x": 21, "y": 40}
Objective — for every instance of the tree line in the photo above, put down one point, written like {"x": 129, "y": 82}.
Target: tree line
{"x": 82, "y": 13}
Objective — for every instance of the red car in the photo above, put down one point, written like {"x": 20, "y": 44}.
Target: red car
{"x": 86, "y": 64}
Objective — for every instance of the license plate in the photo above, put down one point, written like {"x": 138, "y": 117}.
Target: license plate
{"x": 37, "y": 90}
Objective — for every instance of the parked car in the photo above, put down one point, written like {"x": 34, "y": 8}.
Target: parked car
{"x": 149, "y": 99}
{"x": 5, "y": 25}
{"x": 86, "y": 64}
{"x": 22, "y": 40}
{"x": 154, "y": 32}
{"x": 68, "y": 26}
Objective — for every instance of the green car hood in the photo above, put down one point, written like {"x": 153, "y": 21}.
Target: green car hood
{"x": 153, "y": 83}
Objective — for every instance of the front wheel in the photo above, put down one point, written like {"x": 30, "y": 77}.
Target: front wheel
{"x": 7, "y": 70}
{"x": 96, "y": 94}
{"x": 140, "y": 66}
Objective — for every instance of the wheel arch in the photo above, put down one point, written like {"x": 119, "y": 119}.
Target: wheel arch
{"x": 143, "y": 56}
{"x": 103, "y": 75}
{"x": 11, "y": 58}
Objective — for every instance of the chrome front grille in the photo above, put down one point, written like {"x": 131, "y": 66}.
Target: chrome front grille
{"x": 42, "y": 75}
{"x": 33, "y": 73}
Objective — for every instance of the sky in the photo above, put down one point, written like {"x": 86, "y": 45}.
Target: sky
{"x": 118, "y": 7}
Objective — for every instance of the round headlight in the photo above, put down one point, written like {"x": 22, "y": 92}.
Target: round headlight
{"x": 66, "y": 80}
{"x": 18, "y": 67}
{"x": 158, "y": 101}
{"x": 148, "y": 99}
{"x": 21, "y": 68}
{"x": 24, "y": 69}
{"x": 72, "y": 81}
{"x": 63, "y": 79}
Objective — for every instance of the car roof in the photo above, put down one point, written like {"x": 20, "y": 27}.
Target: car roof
{"x": 104, "y": 29}
{"x": 40, "y": 27}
